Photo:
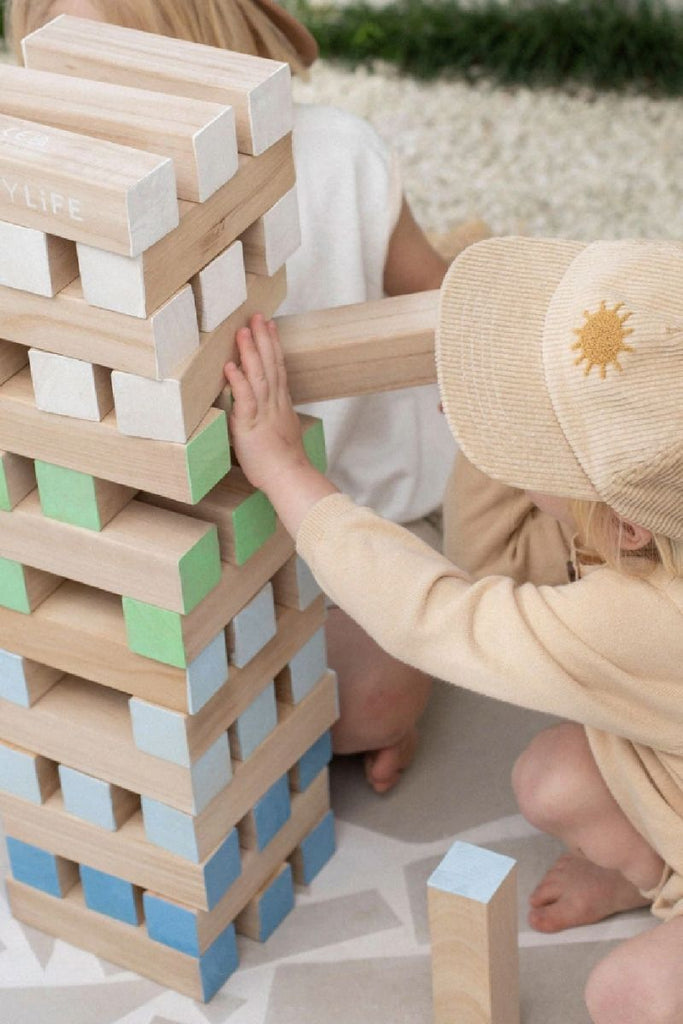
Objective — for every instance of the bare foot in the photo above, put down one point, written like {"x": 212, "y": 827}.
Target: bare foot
{"x": 383, "y": 768}
{"x": 574, "y": 891}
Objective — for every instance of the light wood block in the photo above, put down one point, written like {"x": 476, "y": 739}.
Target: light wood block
{"x": 198, "y": 136}
{"x": 472, "y": 903}
{"x": 269, "y": 907}
{"x": 96, "y": 801}
{"x": 362, "y": 348}
{"x": 33, "y": 260}
{"x": 146, "y": 552}
{"x": 23, "y": 681}
{"x": 169, "y": 410}
{"x": 294, "y": 585}
{"x": 41, "y": 869}
{"x": 252, "y": 627}
{"x": 70, "y": 387}
{"x": 220, "y": 287}
{"x": 314, "y": 850}
{"x": 184, "y": 472}
{"x": 303, "y": 670}
{"x": 78, "y": 498}
{"x": 139, "y": 285}
{"x": 88, "y": 190}
{"x": 257, "y": 88}
{"x": 27, "y": 775}
{"x": 17, "y": 478}
{"x": 12, "y": 359}
{"x": 254, "y": 725}
{"x": 273, "y": 237}
{"x": 22, "y": 587}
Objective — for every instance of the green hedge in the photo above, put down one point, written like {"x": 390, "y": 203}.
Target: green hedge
{"x": 606, "y": 44}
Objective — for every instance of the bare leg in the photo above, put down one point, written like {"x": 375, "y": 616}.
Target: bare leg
{"x": 560, "y": 790}
{"x": 380, "y": 698}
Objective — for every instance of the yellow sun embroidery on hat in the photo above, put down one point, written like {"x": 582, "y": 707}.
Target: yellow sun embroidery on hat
{"x": 601, "y": 338}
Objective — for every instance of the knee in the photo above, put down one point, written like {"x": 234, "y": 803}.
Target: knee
{"x": 544, "y": 779}
{"x": 628, "y": 988}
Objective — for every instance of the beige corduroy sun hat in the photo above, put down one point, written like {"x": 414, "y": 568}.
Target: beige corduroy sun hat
{"x": 561, "y": 370}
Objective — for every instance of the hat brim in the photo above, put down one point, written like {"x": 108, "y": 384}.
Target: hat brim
{"x": 489, "y": 353}
{"x": 298, "y": 35}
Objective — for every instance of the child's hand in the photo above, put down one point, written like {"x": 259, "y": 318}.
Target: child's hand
{"x": 265, "y": 429}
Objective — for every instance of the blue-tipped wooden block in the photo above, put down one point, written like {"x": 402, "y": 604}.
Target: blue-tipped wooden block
{"x": 110, "y": 895}
{"x": 308, "y": 767}
{"x": 472, "y": 902}
{"x": 254, "y": 724}
{"x": 265, "y": 819}
{"x": 314, "y": 851}
{"x": 253, "y": 626}
{"x": 41, "y": 869}
{"x": 95, "y": 800}
{"x": 209, "y": 774}
{"x": 27, "y": 775}
{"x": 174, "y": 830}
{"x": 269, "y": 907}
{"x": 294, "y": 585}
{"x": 303, "y": 670}
{"x": 23, "y": 681}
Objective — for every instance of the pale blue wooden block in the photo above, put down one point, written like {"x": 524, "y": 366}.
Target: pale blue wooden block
{"x": 306, "y": 582}
{"x": 257, "y": 722}
{"x": 218, "y": 962}
{"x": 471, "y": 871}
{"x": 271, "y": 812}
{"x": 316, "y": 849}
{"x": 159, "y": 731}
{"x": 307, "y": 666}
{"x": 12, "y": 678}
{"x": 87, "y": 797}
{"x": 305, "y": 585}
{"x": 110, "y": 895}
{"x": 171, "y": 924}
{"x": 18, "y": 774}
{"x": 211, "y": 773}
{"x": 274, "y": 903}
{"x": 36, "y": 867}
{"x": 207, "y": 673}
{"x": 252, "y": 627}
{"x": 318, "y": 755}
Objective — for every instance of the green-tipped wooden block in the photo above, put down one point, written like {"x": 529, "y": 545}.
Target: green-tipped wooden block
{"x": 207, "y": 456}
{"x": 79, "y": 498}
{"x": 254, "y": 521}
{"x": 17, "y": 478}
{"x": 155, "y": 632}
{"x": 23, "y": 588}
{"x": 314, "y": 442}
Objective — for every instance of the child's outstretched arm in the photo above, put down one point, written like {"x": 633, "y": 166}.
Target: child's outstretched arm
{"x": 265, "y": 429}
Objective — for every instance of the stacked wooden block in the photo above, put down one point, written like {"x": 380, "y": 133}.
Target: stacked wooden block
{"x": 165, "y": 702}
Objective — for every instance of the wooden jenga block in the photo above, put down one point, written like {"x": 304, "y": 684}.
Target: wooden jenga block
{"x": 169, "y": 410}
{"x": 268, "y": 815}
{"x": 185, "y": 472}
{"x": 23, "y": 588}
{"x": 220, "y": 287}
{"x": 23, "y": 681}
{"x": 257, "y": 88}
{"x": 146, "y": 552}
{"x": 252, "y": 627}
{"x": 269, "y": 907}
{"x": 27, "y": 775}
{"x": 33, "y": 260}
{"x": 78, "y": 498}
{"x": 198, "y": 136}
{"x": 17, "y": 478}
{"x": 273, "y": 237}
{"x": 303, "y": 670}
{"x": 88, "y": 190}
{"x": 94, "y": 800}
{"x": 112, "y": 896}
{"x": 294, "y": 584}
{"x": 314, "y": 850}
{"x": 12, "y": 359}
{"x": 314, "y": 441}
{"x": 310, "y": 764}
{"x": 70, "y": 387}
{"x": 139, "y": 285}
{"x": 472, "y": 902}
{"x": 254, "y": 725}
{"x": 41, "y": 869}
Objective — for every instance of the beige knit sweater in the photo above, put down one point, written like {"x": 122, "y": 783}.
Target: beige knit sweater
{"x": 605, "y": 651}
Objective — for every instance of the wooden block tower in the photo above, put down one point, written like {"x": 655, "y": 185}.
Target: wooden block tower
{"x": 165, "y": 701}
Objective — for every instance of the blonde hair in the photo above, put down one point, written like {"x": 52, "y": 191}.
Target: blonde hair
{"x": 600, "y": 529}
{"x": 239, "y": 25}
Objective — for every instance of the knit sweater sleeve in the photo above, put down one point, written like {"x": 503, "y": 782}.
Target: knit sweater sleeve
{"x": 576, "y": 650}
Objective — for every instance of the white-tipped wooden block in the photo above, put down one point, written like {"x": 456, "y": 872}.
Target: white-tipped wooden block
{"x": 253, "y": 626}
{"x": 70, "y": 387}
{"x": 150, "y": 408}
{"x": 259, "y": 89}
{"x": 34, "y": 261}
{"x": 17, "y": 479}
{"x": 220, "y": 287}
{"x": 27, "y": 775}
{"x": 272, "y": 239}
{"x": 23, "y": 681}
{"x": 472, "y": 902}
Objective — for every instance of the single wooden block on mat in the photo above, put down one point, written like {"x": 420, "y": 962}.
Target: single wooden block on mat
{"x": 112, "y": 896}
{"x": 33, "y": 260}
{"x": 199, "y": 137}
{"x": 27, "y": 775}
{"x": 23, "y": 588}
{"x": 472, "y": 903}
{"x": 254, "y": 725}
{"x": 268, "y": 815}
{"x": 17, "y": 478}
{"x": 314, "y": 851}
{"x": 274, "y": 237}
{"x": 269, "y": 907}
{"x": 310, "y": 764}
{"x": 23, "y": 681}
{"x": 78, "y": 498}
{"x": 12, "y": 359}
{"x": 220, "y": 287}
{"x": 88, "y": 190}
{"x": 303, "y": 670}
{"x": 95, "y": 800}
{"x": 294, "y": 584}
{"x": 258, "y": 89}
{"x": 41, "y": 869}
{"x": 252, "y": 627}
{"x": 70, "y": 387}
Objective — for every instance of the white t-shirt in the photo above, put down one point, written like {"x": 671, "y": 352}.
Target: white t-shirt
{"x": 392, "y": 451}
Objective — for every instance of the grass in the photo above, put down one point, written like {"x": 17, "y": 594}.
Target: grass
{"x": 605, "y": 44}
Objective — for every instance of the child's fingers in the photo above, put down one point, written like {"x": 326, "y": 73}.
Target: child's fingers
{"x": 280, "y": 378}
{"x": 264, "y": 343}
{"x": 244, "y": 402}
{"x": 251, "y": 363}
